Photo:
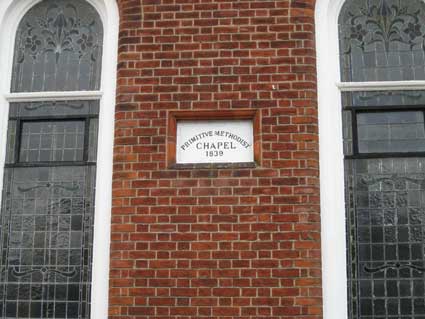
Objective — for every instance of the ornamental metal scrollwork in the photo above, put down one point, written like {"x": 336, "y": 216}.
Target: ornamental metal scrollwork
{"x": 59, "y": 30}
{"x": 384, "y": 23}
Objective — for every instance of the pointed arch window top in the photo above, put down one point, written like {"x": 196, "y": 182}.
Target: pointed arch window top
{"x": 382, "y": 40}
{"x": 58, "y": 47}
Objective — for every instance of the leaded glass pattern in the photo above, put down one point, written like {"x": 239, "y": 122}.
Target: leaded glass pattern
{"x": 70, "y": 134}
{"x": 385, "y": 203}
{"x": 52, "y": 141}
{"x": 58, "y": 48}
{"x": 35, "y": 110}
{"x": 384, "y": 143}
{"x": 347, "y": 132}
{"x": 404, "y": 99}
{"x": 386, "y": 218}
{"x": 390, "y": 132}
{"x": 47, "y": 208}
{"x": 382, "y": 40}
{"x": 47, "y": 216}
{"x": 47, "y": 229}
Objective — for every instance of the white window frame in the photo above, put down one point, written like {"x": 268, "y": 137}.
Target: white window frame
{"x": 333, "y": 226}
{"x": 11, "y": 13}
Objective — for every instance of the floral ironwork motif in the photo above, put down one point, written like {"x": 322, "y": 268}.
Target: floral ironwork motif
{"x": 59, "y": 30}
{"x": 385, "y": 23}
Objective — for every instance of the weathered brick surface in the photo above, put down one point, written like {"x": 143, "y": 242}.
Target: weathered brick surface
{"x": 216, "y": 243}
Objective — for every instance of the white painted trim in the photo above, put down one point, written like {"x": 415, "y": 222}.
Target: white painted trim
{"x": 332, "y": 200}
{"x": 11, "y": 12}
{"x": 102, "y": 226}
{"x": 53, "y": 96}
{"x": 331, "y": 154}
{"x": 380, "y": 86}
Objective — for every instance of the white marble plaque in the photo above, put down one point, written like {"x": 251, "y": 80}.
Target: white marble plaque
{"x": 221, "y": 141}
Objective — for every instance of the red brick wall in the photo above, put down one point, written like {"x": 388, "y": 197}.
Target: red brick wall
{"x": 216, "y": 243}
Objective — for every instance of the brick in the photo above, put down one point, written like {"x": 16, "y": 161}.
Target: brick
{"x": 231, "y": 243}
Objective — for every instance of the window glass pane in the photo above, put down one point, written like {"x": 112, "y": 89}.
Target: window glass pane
{"x": 57, "y": 141}
{"x": 46, "y": 242}
{"x": 52, "y": 141}
{"x": 93, "y": 137}
{"x": 383, "y": 98}
{"x": 58, "y": 48}
{"x": 47, "y": 209}
{"x": 386, "y": 224}
{"x": 46, "y": 225}
{"x": 382, "y": 40}
{"x": 391, "y": 132}
{"x": 347, "y": 132}
{"x": 11, "y": 142}
{"x": 53, "y": 108}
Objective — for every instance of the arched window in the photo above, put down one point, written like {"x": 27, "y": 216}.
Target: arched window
{"x": 58, "y": 47}
{"x": 384, "y": 136}
{"x": 382, "y": 40}
{"x": 56, "y": 111}
{"x": 371, "y": 110}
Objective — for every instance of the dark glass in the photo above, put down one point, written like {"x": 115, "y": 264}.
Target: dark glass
{"x": 52, "y": 141}
{"x": 386, "y": 222}
{"x": 391, "y": 132}
{"x": 347, "y": 132}
{"x": 58, "y": 48}
{"x": 54, "y": 109}
{"x": 47, "y": 213}
{"x": 385, "y": 203}
{"x": 382, "y": 40}
{"x": 47, "y": 224}
{"x": 53, "y": 131}
{"x": 383, "y": 98}
{"x": 93, "y": 137}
